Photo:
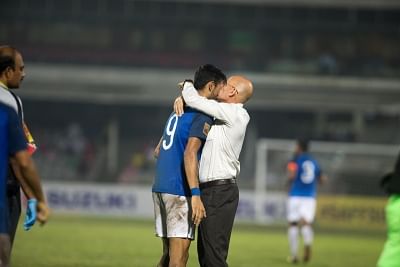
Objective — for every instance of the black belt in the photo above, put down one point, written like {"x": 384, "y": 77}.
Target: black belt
{"x": 217, "y": 182}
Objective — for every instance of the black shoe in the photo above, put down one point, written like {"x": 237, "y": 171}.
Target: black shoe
{"x": 307, "y": 254}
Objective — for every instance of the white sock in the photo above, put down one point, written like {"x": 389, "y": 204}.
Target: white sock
{"x": 293, "y": 236}
{"x": 308, "y": 234}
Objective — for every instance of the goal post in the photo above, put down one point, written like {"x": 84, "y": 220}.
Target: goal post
{"x": 353, "y": 169}
{"x": 337, "y": 159}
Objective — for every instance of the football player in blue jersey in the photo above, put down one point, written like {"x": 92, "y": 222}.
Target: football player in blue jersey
{"x": 13, "y": 144}
{"x": 304, "y": 173}
{"x": 176, "y": 194}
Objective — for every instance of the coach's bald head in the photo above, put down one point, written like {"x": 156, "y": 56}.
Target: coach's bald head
{"x": 238, "y": 90}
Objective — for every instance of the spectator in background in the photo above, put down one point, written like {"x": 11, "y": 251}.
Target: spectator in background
{"x": 327, "y": 64}
{"x": 390, "y": 256}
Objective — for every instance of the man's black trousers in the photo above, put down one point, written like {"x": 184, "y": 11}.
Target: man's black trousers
{"x": 220, "y": 202}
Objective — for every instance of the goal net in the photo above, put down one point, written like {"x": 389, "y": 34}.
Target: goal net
{"x": 352, "y": 168}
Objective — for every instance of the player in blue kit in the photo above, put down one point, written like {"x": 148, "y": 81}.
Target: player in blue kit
{"x": 12, "y": 140}
{"x": 176, "y": 194}
{"x": 303, "y": 172}
{"x": 13, "y": 144}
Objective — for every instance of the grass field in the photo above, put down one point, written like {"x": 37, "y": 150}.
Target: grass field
{"x": 95, "y": 242}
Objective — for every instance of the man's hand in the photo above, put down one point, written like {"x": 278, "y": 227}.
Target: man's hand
{"x": 30, "y": 217}
{"x": 43, "y": 212}
{"x": 179, "y": 105}
{"x": 198, "y": 210}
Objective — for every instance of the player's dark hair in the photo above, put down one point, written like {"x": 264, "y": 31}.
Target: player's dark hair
{"x": 303, "y": 144}
{"x": 208, "y": 73}
{"x": 7, "y": 57}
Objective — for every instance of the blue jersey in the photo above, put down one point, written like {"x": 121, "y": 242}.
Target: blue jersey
{"x": 170, "y": 171}
{"x": 307, "y": 172}
{"x": 12, "y": 140}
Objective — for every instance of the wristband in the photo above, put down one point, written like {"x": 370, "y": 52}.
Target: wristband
{"x": 195, "y": 191}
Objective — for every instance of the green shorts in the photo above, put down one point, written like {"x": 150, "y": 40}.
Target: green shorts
{"x": 390, "y": 256}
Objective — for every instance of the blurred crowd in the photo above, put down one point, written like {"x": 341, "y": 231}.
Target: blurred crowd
{"x": 301, "y": 39}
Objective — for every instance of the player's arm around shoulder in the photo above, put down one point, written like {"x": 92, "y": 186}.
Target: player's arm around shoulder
{"x": 220, "y": 111}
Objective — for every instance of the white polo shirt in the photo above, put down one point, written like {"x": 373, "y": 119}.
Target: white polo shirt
{"x": 8, "y": 99}
{"x": 220, "y": 156}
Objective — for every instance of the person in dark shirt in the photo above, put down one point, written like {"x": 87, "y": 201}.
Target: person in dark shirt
{"x": 13, "y": 145}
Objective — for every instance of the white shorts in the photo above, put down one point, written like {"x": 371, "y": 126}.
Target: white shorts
{"x": 173, "y": 216}
{"x": 301, "y": 208}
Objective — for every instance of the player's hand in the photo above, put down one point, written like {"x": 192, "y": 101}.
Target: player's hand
{"x": 30, "y": 217}
{"x": 179, "y": 105}
{"x": 198, "y": 210}
{"x": 43, "y": 212}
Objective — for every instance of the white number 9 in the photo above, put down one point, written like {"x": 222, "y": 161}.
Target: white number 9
{"x": 308, "y": 174}
{"x": 170, "y": 131}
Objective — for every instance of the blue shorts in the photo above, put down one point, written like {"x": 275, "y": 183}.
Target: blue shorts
{"x": 4, "y": 228}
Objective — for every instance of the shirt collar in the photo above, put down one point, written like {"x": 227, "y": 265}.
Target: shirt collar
{"x": 3, "y": 85}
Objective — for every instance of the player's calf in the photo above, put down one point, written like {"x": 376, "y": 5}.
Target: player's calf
{"x": 178, "y": 251}
{"x": 308, "y": 236}
{"x": 164, "y": 261}
{"x": 307, "y": 253}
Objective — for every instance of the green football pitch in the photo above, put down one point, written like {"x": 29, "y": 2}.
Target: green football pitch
{"x": 93, "y": 242}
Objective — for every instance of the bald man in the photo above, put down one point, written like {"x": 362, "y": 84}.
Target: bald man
{"x": 220, "y": 166}
{"x": 12, "y": 73}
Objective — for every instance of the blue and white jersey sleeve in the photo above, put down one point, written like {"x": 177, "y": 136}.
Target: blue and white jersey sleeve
{"x": 16, "y": 137}
{"x": 13, "y": 136}
{"x": 201, "y": 126}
